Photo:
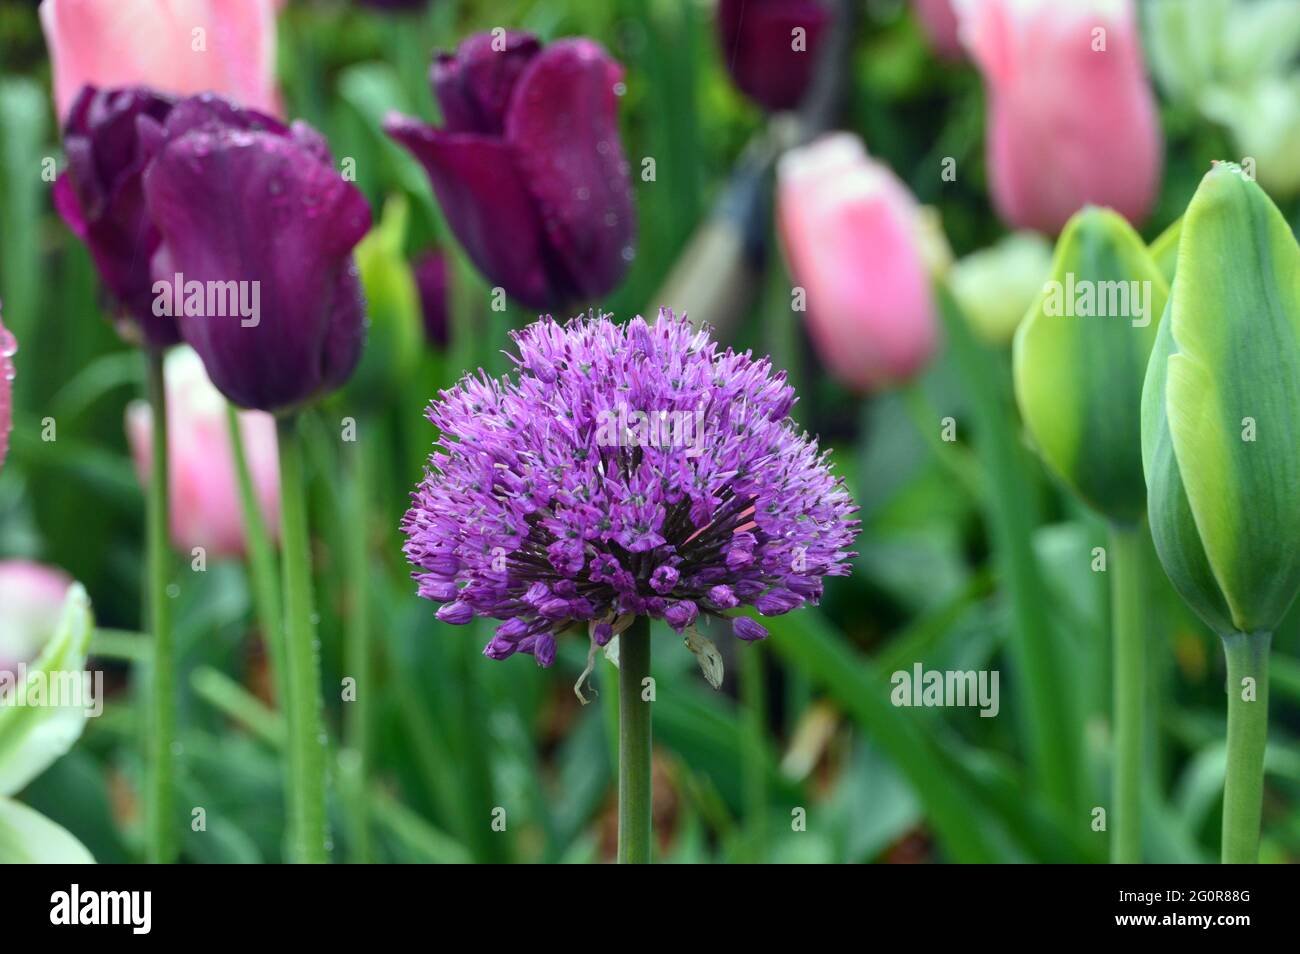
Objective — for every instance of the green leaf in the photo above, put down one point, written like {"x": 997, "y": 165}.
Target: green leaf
{"x": 33, "y": 736}
{"x": 29, "y": 838}
{"x": 1080, "y": 358}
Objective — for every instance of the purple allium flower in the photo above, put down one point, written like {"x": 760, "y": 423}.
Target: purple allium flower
{"x": 248, "y": 206}
{"x": 559, "y": 504}
{"x": 100, "y": 198}
{"x": 758, "y": 45}
{"x": 528, "y": 166}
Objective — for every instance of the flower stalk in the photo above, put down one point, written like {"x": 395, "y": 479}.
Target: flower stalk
{"x": 1128, "y": 656}
{"x": 160, "y": 843}
{"x": 308, "y": 828}
{"x": 1243, "y": 789}
{"x": 634, "y": 763}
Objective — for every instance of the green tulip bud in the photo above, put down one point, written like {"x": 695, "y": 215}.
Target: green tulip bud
{"x": 995, "y": 286}
{"x": 1221, "y": 410}
{"x": 1080, "y": 356}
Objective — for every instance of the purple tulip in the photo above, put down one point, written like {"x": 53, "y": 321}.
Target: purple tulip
{"x": 528, "y": 166}
{"x": 767, "y": 55}
{"x": 248, "y": 206}
{"x": 100, "y": 197}
{"x": 431, "y": 279}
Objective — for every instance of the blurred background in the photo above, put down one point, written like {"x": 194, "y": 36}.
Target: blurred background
{"x": 800, "y": 756}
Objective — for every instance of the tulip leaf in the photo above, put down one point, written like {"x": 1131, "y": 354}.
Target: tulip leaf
{"x": 1080, "y": 358}
{"x": 34, "y": 735}
{"x": 27, "y": 837}
{"x": 1233, "y": 392}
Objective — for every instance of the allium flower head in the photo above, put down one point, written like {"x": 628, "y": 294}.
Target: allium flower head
{"x": 624, "y": 470}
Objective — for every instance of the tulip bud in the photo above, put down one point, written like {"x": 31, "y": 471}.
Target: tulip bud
{"x": 1080, "y": 357}
{"x": 99, "y": 196}
{"x": 1072, "y": 119}
{"x": 205, "y": 506}
{"x": 856, "y": 243}
{"x": 32, "y": 596}
{"x": 995, "y": 286}
{"x": 770, "y": 47}
{"x": 528, "y": 167}
{"x": 181, "y": 47}
{"x": 252, "y": 210}
{"x": 7, "y": 349}
{"x": 1221, "y": 410}
{"x": 431, "y": 278}
{"x": 1264, "y": 120}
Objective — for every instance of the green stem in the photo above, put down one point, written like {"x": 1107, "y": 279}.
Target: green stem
{"x": 754, "y": 697}
{"x": 357, "y": 657}
{"x": 160, "y": 834}
{"x": 1243, "y": 788}
{"x": 308, "y": 829}
{"x": 261, "y": 559}
{"x": 1128, "y": 656}
{"x": 634, "y": 789}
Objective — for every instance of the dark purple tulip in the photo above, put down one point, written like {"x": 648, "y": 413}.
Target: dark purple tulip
{"x": 431, "y": 280}
{"x": 239, "y": 197}
{"x": 758, "y": 40}
{"x": 528, "y": 166}
{"x": 100, "y": 197}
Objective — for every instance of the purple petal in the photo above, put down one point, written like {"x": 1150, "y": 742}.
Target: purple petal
{"x": 563, "y": 124}
{"x": 483, "y": 196}
{"x": 256, "y": 207}
{"x": 474, "y": 84}
{"x": 757, "y": 46}
{"x": 747, "y": 629}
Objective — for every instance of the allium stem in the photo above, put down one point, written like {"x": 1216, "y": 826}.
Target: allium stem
{"x": 1128, "y": 656}
{"x": 308, "y": 830}
{"x": 753, "y": 692}
{"x": 1243, "y": 788}
{"x": 634, "y": 789}
{"x": 160, "y": 841}
{"x": 261, "y": 560}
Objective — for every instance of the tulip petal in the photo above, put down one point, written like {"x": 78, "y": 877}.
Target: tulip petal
{"x": 487, "y": 205}
{"x": 1081, "y": 356}
{"x": 476, "y": 83}
{"x": 1236, "y": 323}
{"x": 563, "y": 125}
{"x": 178, "y": 46}
{"x": 259, "y": 208}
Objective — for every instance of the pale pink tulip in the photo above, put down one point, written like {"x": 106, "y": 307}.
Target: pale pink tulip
{"x": 31, "y": 599}
{"x": 853, "y": 238}
{"x": 1072, "y": 119}
{"x": 174, "y": 46}
{"x": 940, "y": 25}
{"x": 7, "y": 348}
{"x": 205, "y": 505}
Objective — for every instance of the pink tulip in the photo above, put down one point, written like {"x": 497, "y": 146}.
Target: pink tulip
{"x": 205, "y": 505}
{"x": 1072, "y": 119}
{"x": 852, "y": 236}
{"x": 940, "y": 25}
{"x": 180, "y": 47}
{"x": 31, "y": 596}
{"x": 7, "y": 348}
